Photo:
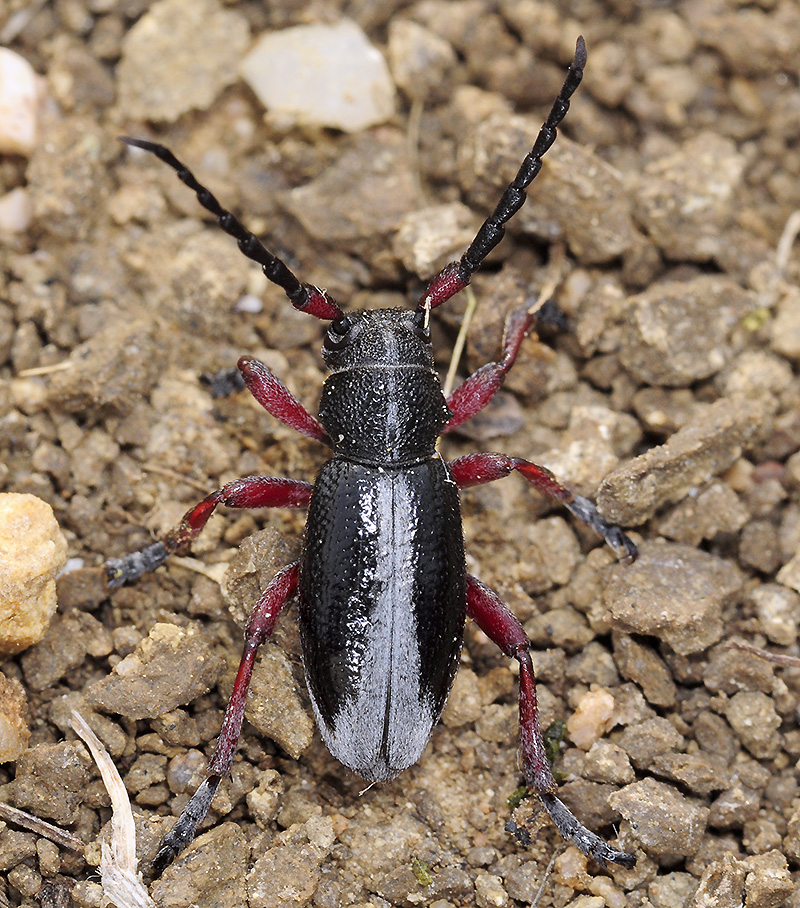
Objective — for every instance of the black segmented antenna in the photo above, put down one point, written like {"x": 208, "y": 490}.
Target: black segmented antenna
{"x": 304, "y": 297}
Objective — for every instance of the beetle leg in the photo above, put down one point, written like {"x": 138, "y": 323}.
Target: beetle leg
{"x": 304, "y": 297}
{"x": 476, "y": 391}
{"x": 259, "y": 628}
{"x": 476, "y": 469}
{"x": 495, "y": 619}
{"x": 455, "y": 276}
{"x": 278, "y": 400}
{"x": 251, "y": 492}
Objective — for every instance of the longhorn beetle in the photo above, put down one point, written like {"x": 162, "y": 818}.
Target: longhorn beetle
{"x": 382, "y": 581}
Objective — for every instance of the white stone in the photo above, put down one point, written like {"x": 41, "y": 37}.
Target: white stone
{"x": 16, "y": 211}
{"x": 326, "y": 75}
{"x": 19, "y": 104}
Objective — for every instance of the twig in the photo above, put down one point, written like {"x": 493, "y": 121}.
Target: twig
{"x": 42, "y": 827}
{"x": 174, "y": 474}
{"x": 789, "y": 235}
{"x": 46, "y": 370}
{"x": 777, "y": 658}
{"x": 553, "y": 275}
{"x": 538, "y": 897}
{"x": 18, "y": 21}
{"x": 461, "y": 340}
{"x": 414, "y": 130}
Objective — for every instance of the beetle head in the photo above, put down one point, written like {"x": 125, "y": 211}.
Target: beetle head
{"x": 378, "y": 337}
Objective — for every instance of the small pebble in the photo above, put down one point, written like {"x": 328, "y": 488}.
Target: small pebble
{"x": 700, "y": 773}
{"x": 52, "y": 781}
{"x": 19, "y": 104}
{"x": 753, "y": 717}
{"x": 591, "y": 719}
{"x": 717, "y": 509}
{"x": 185, "y": 771}
{"x": 25, "y": 880}
{"x": 430, "y": 238}
{"x": 761, "y": 881}
{"x": 64, "y": 647}
{"x": 644, "y": 741}
{"x": 326, "y": 75}
{"x": 672, "y": 592}
{"x": 274, "y": 706}
{"x": 677, "y": 332}
{"x": 16, "y": 211}
{"x": 265, "y": 799}
{"x": 211, "y": 872}
{"x": 87, "y": 894}
{"x": 768, "y": 881}
{"x": 49, "y": 857}
{"x": 14, "y": 731}
{"x": 32, "y": 551}
{"x": 734, "y": 807}
{"x": 785, "y": 327}
{"x": 170, "y": 667}
{"x": 289, "y": 871}
{"x": 420, "y": 59}
{"x": 179, "y": 57}
{"x": 364, "y": 194}
{"x": 672, "y": 889}
{"x": 684, "y": 199}
{"x": 645, "y": 667}
{"x": 570, "y": 868}
{"x": 489, "y": 892}
{"x": 662, "y": 819}
{"x": 778, "y": 611}
{"x": 606, "y": 762}
{"x": 705, "y": 446}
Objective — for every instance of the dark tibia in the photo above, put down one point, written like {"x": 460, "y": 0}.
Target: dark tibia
{"x": 131, "y": 567}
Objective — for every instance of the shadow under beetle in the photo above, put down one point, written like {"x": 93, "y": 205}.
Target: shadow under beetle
{"x": 382, "y": 581}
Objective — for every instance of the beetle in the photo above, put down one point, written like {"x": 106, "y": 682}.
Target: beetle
{"x": 382, "y": 581}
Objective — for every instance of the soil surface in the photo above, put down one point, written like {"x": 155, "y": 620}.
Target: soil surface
{"x": 670, "y": 397}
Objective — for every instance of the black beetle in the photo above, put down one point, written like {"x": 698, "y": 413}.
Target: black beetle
{"x": 382, "y": 581}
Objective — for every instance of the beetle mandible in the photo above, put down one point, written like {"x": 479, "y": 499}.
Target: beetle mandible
{"x": 382, "y": 581}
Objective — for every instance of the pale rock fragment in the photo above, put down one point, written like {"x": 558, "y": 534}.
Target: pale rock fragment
{"x": 591, "y": 719}
{"x": 20, "y": 95}
{"x": 325, "y": 75}
{"x": 32, "y": 552}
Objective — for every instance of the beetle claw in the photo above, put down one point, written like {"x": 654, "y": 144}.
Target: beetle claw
{"x": 586, "y": 511}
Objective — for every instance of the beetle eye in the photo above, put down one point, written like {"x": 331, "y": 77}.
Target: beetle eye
{"x": 337, "y": 333}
